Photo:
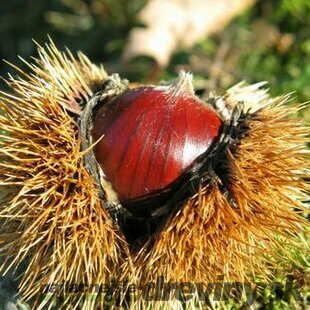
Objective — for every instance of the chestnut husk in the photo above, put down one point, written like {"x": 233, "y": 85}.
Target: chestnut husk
{"x": 235, "y": 212}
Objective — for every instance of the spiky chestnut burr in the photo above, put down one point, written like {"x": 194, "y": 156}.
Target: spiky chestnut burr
{"x": 226, "y": 212}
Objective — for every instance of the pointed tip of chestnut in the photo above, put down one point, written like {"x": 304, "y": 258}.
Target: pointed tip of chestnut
{"x": 184, "y": 84}
{"x": 151, "y": 135}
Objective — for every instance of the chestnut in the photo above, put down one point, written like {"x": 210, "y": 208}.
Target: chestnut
{"x": 150, "y": 135}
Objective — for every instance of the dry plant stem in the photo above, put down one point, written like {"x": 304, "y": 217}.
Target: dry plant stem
{"x": 216, "y": 66}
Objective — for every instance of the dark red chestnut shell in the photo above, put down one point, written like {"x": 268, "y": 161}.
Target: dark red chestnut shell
{"x": 151, "y": 135}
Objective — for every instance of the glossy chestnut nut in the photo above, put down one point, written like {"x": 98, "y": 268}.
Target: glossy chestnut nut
{"x": 151, "y": 135}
